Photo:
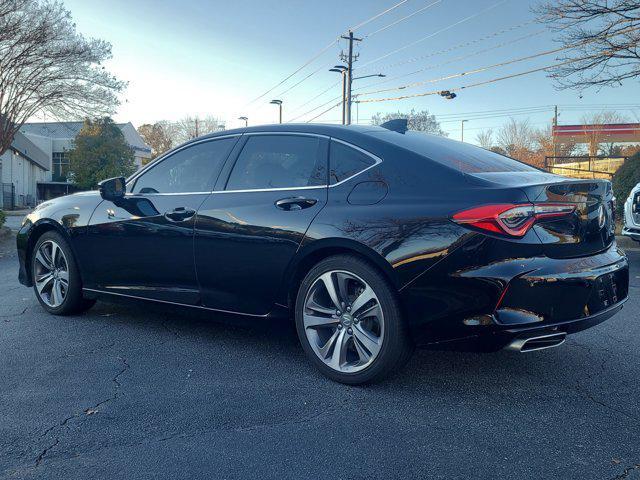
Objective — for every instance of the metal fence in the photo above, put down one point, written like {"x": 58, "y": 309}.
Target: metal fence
{"x": 584, "y": 166}
{"x": 7, "y": 196}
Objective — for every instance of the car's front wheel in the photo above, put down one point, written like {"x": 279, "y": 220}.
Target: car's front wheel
{"x": 56, "y": 280}
{"x": 349, "y": 321}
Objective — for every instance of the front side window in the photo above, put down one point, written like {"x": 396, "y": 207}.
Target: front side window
{"x": 279, "y": 161}
{"x": 192, "y": 169}
{"x": 345, "y": 162}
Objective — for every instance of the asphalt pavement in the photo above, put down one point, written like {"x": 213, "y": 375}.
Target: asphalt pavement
{"x": 146, "y": 392}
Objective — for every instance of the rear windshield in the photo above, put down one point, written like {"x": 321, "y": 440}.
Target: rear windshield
{"x": 461, "y": 156}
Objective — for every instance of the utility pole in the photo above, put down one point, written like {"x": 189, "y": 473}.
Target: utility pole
{"x": 349, "y": 58}
{"x": 462, "y": 130}
{"x": 196, "y": 128}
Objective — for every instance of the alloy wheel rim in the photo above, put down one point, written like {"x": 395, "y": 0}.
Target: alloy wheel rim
{"x": 51, "y": 274}
{"x": 343, "y": 321}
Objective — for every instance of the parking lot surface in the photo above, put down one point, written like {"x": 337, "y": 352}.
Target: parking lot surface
{"x": 146, "y": 392}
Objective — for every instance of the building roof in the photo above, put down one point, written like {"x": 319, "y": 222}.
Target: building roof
{"x": 608, "y": 132}
{"x": 25, "y": 147}
{"x": 69, "y": 130}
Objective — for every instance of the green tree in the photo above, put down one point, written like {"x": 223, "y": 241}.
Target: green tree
{"x": 99, "y": 152}
{"x": 627, "y": 177}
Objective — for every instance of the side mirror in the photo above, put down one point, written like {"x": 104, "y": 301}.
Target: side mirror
{"x": 113, "y": 188}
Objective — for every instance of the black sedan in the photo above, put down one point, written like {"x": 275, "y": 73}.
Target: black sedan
{"x": 373, "y": 239}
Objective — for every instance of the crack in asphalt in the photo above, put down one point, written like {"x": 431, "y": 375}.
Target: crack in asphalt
{"x": 87, "y": 411}
{"x": 13, "y": 315}
{"x": 627, "y": 471}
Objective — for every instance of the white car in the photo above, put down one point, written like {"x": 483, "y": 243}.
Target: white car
{"x": 631, "y": 226}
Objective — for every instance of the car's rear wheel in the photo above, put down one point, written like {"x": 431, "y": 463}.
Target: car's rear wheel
{"x": 56, "y": 280}
{"x": 349, "y": 321}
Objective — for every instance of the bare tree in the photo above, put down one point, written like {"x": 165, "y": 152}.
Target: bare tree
{"x": 190, "y": 127}
{"x": 602, "y": 36}
{"x": 544, "y": 145}
{"x": 485, "y": 139}
{"x": 47, "y": 66}
{"x": 595, "y": 136}
{"x": 159, "y": 136}
{"x": 515, "y": 137}
{"x": 421, "y": 121}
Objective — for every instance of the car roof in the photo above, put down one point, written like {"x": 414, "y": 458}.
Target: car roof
{"x": 330, "y": 130}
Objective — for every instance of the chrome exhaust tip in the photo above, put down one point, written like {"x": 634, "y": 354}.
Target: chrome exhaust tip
{"x": 540, "y": 342}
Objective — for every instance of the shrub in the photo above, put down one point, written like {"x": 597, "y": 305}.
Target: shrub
{"x": 627, "y": 177}
{"x": 2, "y": 217}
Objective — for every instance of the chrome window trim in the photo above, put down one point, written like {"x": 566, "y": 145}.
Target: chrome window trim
{"x": 145, "y": 195}
{"x": 168, "y": 154}
{"x": 300, "y": 134}
{"x": 278, "y": 189}
{"x": 377, "y": 161}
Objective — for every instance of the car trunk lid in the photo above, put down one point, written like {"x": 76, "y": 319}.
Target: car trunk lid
{"x": 588, "y": 230}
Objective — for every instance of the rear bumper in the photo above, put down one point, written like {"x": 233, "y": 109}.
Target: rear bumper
{"x": 491, "y": 304}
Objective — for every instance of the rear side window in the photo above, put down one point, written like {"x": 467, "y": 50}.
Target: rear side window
{"x": 345, "y": 162}
{"x": 461, "y": 156}
{"x": 192, "y": 169}
{"x": 279, "y": 161}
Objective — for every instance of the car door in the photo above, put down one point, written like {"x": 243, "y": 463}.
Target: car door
{"x": 250, "y": 228}
{"x": 142, "y": 245}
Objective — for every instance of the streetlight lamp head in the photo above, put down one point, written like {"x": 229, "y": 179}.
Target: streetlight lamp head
{"x": 381, "y": 75}
{"x": 276, "y": 102}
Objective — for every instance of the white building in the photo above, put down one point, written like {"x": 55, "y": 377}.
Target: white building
{"x": 36, "y": 165}
{"x": 22, "y": 167}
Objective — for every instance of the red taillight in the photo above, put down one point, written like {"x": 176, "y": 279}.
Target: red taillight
{"x": 510, "y": 219}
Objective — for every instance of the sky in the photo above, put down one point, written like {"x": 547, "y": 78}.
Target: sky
{"x": 201, "y": 58}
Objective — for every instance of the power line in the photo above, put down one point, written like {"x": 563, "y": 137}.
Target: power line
{"x": 326, "y": 111}
{"x": 457, "y": 59}
{"x": 456, "y": 47}
{"x": 322, "y": 51}
{"x": 314, "y": 109}
{"x": 303, "y": 79}
{"x": 375, "y": 32}
{"x": 468, "y": 72}
{"x": 311, "y": 60}
{"x": 333, "y": 85}
{"x": 470, "y": 17}
{"x": 384, "y": 12}
{"x": 495, "y": 65}
{"x": 486, "y": 82}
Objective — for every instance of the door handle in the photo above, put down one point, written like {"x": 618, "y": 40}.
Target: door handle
{"x": 179, "y": 214}
{"x": 295, "y": 203}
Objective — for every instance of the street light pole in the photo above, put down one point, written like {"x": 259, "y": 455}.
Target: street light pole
{"x": 279, "y": 103}
{"x": 342, "y": 70}
{"x": 246, "y": 121}
{"x": 462, "y": 131}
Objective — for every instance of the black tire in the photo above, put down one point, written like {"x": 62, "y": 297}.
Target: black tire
{"x": 397, "y": 346}
{"x": 73, "y": 302}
